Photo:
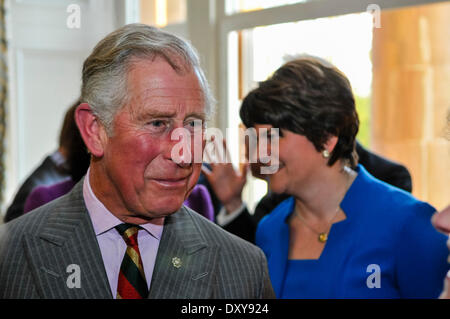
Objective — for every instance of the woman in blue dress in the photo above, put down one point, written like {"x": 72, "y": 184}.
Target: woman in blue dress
{"x": 342, "y": 233}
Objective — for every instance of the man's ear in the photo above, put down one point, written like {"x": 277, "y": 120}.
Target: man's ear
{"x": 91, "y": 130}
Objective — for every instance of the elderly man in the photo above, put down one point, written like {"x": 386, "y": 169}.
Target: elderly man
{"x": 122, "y": 231}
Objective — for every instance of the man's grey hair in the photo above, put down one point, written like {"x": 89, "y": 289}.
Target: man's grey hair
{"x": 105, "y": 71}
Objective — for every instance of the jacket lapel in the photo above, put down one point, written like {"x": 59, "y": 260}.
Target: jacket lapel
{"x": 65, "y": 259}
{"x": 185, "y": 262}
{"x": 279, "y": 248}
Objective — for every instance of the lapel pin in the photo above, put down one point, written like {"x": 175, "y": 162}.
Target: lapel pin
{"x": 176, "y": 262}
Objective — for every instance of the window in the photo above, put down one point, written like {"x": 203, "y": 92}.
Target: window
{"x": 161, "y": 13}
{"x": 234, "y": 6}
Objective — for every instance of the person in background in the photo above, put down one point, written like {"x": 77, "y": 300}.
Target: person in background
{"x": 342, "y": 233}
{"x": 76, "y": 165}
{"x": 226, "y": 184}
{"x": 441, "y": 221}
{"x": 52, "y": 170}
{"x": 124, "y": 226}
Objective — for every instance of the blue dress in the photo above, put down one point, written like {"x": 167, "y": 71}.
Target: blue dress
{"x": 385, "y": 248}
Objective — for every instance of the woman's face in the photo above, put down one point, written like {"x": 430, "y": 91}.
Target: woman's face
{"x": 297, "y": 159}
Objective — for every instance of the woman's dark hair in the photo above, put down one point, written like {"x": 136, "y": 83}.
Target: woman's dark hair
{"x": 310, "y": 97}
{"x": 77, "y": 157}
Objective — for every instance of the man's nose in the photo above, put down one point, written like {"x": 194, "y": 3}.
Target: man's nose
{"x": 180, "y": 147}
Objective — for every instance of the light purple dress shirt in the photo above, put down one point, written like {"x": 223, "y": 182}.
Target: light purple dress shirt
{"x": 111, "y": 243}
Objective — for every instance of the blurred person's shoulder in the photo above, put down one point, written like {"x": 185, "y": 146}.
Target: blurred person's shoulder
{"x": 34, "y": 222}
{"x": 30, "y": 223}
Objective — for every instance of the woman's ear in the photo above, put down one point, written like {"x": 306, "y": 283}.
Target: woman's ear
{"x": 91, "y": 130}
{"x": 331, "y": 143}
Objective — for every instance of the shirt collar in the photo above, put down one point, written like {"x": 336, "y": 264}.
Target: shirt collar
{"x": 102, "y": 219}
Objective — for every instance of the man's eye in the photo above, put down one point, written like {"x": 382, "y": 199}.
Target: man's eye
{"x": 158, "y": 126}
{"x": 157, "y": 123}
{"x": 194, "y": 124}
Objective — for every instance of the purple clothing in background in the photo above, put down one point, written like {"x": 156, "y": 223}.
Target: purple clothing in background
{"x": 41, "y": 195}
{"x": 200, "y": 200}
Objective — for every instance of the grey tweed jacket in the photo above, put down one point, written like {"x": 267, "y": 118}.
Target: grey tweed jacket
{"x": 42, "y": 251}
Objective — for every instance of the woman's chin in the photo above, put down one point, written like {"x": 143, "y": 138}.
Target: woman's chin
{"x": 276, "y": 188}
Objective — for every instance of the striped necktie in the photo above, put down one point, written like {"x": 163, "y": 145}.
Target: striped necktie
{"x": 132, "y": 283}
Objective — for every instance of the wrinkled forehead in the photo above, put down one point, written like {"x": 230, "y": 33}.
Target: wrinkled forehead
{"x": 178, "y": 63}
{"x": 157, "y": 78}
{"x": 159, "y": 65}
{"x": 170, "y": 71}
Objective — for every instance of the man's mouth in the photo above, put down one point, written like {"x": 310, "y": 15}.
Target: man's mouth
{"x": 171, "y": 182}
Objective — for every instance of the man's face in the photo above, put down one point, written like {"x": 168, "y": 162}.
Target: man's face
{"x": 141, "y": 179}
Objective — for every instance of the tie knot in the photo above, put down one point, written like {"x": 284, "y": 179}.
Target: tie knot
{"x": 129, "y": 233}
